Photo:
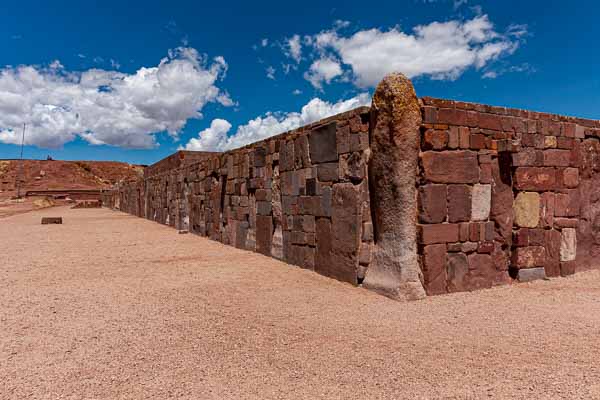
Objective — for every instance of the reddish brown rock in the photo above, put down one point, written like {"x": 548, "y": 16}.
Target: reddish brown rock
{"x": 435, "y": 140}
{"x": 394, "y": 137}
{"x": 557, "y": 158}
{"x": 451, "y": 166}
{"x": 264, "y": 234}
{"x": 459, "y": 203}
{"x": 568, "y": 268}
{"x": 345, "y": 229}
{"x": 567, "y": 204}
{"x": 529, "y": 257}
{"x": 439, "y": 233}
{"x": 434, "y": 269}
{"x": 536, "y": 179}
{"x": 552, "y": 240}
{"x": 322, "y": 141}
{"x": 432, "y": 203}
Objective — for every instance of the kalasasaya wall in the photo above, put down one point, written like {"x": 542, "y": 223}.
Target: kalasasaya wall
{"x": 410, "y": 197}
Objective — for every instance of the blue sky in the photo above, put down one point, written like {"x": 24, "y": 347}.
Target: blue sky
{"x": 89, "y": 80}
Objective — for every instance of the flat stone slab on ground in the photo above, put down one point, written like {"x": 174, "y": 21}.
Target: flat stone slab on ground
{"x": 51, "y": 220}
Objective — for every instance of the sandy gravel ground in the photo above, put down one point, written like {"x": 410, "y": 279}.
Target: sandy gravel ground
{"x": 109, "y": 306}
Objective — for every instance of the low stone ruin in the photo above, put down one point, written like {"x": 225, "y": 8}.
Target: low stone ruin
{"x": 411, "y": 197}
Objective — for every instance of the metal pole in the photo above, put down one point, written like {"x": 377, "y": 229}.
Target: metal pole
{"x": 20, "y": 169}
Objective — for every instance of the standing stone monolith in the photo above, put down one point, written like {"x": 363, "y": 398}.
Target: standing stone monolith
{"x": 394, "y": 137}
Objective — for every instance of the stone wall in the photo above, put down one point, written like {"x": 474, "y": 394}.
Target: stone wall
{"x": 301, "y": 196}
{"x": 493, "y": 195}
{"x": 505, "y": 194}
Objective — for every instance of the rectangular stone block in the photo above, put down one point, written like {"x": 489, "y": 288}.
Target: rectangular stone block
{"x": 529, "y": 257}
{"x": 568, "y": 268}
{"x": 459, "y": 203}
{"x": 438, "y": 233}
{"x": 567, "y": 204}
{"x": 264, "y": 234}
{"x": 432, "y": 203}
{"x": 328, "y": 172}
{"x": 526, "y": 208}
{"x": 535, "y": 179}
{"x": 450, "y": 166}
{"x": 532, "y": 274}
{"x": 434, "y": 269}
{"x": 322, "y": 143}
{"x": 557, "y": 158}
{"x": 568, "y": 244}
{"x": 481, "y": 202}
{"x": 51, "y": 220}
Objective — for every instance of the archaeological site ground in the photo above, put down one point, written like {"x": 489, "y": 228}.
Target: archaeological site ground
{"x": 419, "y": 248}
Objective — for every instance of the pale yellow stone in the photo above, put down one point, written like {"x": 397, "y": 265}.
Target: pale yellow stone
{"x": 527, "y": 209}
{"x": 550, "y": 142}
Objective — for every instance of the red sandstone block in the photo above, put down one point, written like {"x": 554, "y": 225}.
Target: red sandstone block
{"x": 459, "y": 203}
{"x": 452, "y": 116}
{"x": 564, "y": 143}
{"x": 535, "y": 179}
{"x": 569, "y": 177}
{"x": 434, "y": 269}
{"x": 536, "y": 237}
{"x": 521, "y": 238}
{"x": 485, "y": 247}
{"x": 528, "y": 157}
{"x": 474, "y": 232}
{"x": 557, "y": 158}
{"x": 490, "y": 121}
{"x": 432, "y": 203}
{"x": 453, "y": 138}
{"x": 552, "y": 240}
{"x": 450, "y": 166}
{"x": 485, "y": 175}
{"x": 464, "y": 137}
{"x": 547, "y": 202}
{"x": 439, "y": 233}
{"x": 568, "y": 268}
{"x": 429, "y": 115}
{"x": 477, "y": 141}
{"x": 435, "y": 140}
{"x": 560, "y": 222}
{"x": 567, "y": 204}
{"x": 568, "y": 129}
{"x": 529, "y": 257}
{"x": 463, "y": 231}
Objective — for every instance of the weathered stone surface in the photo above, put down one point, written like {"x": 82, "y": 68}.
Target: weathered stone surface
{"x": 568, "y": 268}
{"x": 51, "y": 220}
{"x": 450, "y": 166}
{"x": 567, "y": 204}
{"x": 552, "y": 240}
{"x": 438, "y": 233}
{"x": 527, "y": 209}
{"x": 481, "y": 202}
{"x": 482, "y": 272}
{"x": 570, "y": 177}
{"x": 345, "y": 230}
{"x": 458, "y": 268}
{"x": 432, "y": 203}
{"x": 324, "y": 246}
{"x": 459, "y": 203}
{"x": 434, "y": 269}
{"x": 328, "y": 172}
{"x": 568, "y": 244}
{"x": 529, "y": 257}
{"x": 535, "y": 179}
{"x": 323, "y": 147}
{"x": 264, "y": 234}
{"x": 532, "y": 274}
{"x": 395, "y": 136}
{"x": 557, "y": 158}
{"x": 435, "y": 139}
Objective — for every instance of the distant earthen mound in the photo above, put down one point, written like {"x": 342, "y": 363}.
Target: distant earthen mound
{"x": 56, "y": 174}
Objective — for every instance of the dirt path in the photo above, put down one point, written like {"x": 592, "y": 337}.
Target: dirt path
{"x": 109, "y": 306}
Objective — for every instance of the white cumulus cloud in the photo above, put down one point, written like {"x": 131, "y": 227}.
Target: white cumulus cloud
{"x": 216, "y": 138}
{"x": 108, "y": 107}
{"x": 322, "y": 70}
{"x": 440, "y": 50}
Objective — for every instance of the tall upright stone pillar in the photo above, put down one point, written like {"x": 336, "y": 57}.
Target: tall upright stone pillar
{"x": 394, "y": 136}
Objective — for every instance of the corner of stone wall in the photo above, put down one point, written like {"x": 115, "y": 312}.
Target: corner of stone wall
{"x": 394, "y": 136}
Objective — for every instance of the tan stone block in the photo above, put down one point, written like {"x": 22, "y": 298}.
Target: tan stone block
{"x": 568, "y": 244}
{"x": 481, "y": 202}
{"x": 527, "y": 209}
